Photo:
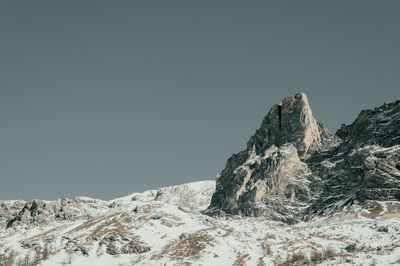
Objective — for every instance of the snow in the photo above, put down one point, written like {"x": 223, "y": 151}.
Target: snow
{"x": 161, "y": 223}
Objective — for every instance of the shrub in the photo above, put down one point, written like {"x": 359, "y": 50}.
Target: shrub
{"x": 267, "y": 248}
{"x": 316, "y": 256}
{"x": 297, "y": 258}
{"x": 329, "y": 253}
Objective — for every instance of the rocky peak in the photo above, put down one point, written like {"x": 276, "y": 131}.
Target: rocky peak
{"x": 290, "y": 121}
{"x": 293, "y": 166}
{"x": 270, "y": 177}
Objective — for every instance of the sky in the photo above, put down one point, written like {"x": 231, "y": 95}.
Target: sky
{"x": 106, "y": 98}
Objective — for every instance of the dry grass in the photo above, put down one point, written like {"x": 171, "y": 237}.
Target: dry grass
{"x": 89, "y": 223}
{"x": 261, "y": 262}
{"x": 188, "y": 246}
{"x": 165, "y": 219}
{"x": 316, "y": 256}
{"x": 329, "y": 253}
{"x": 241, "y": 259}
{"x": 127, "y": 220}
{"x": 266, "y": 247}
{"x": 228, "y": 232}
{"x": 111, "y": 226}
{"x": 393, "y": 207}
{"x": 8, "y": 260}
{"x": 171, "y": 223}
{"x": 374, "y": 209}
{"x": 151, "y": 208}
{"x": 297, "y": 258}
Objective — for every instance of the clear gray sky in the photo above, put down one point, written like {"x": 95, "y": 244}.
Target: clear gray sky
{"x": 105, "y": 98}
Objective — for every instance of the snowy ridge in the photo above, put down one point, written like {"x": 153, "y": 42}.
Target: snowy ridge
{"x": 133, "y": 231}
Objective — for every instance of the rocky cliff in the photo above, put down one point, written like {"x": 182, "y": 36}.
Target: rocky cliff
{"x": 293, "y": 167}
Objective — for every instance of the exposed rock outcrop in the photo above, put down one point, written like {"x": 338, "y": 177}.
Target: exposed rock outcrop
{"x": 380, "y": 126}
{"x": 39, "y": 212}
{"x": 291, "y": 121}
{"x": 293, "y": 166}
{"x": 276, "y": 184}
{"x": 366, "y": 164}
{"x": 9, "y": 209}
{"x": 192, "y": 196}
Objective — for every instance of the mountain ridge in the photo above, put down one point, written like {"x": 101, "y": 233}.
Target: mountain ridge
{"x": 290, "y": 187}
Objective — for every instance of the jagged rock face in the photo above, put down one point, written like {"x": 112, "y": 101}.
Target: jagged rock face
{"x": 366, "y": 164}
{"x": 380, "y": 126}
{"x": 9, "y": 209}
{"x": 290, "y": 121}
{"x": 276, "y": 184}
{"x": 293, "y": 166}
{"x": 269, "y": 178}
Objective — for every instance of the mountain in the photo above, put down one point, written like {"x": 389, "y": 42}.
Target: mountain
{"x": 293, "y": 167}
{"x": 297, "y": 195}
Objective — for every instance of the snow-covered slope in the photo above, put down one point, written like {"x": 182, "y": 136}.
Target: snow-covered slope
{"x": 159, "y": 227}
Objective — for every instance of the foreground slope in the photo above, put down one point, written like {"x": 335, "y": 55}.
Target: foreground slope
{"x": 141, "y": 230}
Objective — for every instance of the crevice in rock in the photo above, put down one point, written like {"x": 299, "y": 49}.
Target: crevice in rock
{"x": 280, "y": 115}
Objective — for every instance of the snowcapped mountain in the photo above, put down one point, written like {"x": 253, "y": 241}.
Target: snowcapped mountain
{"x": 298, "y": 195}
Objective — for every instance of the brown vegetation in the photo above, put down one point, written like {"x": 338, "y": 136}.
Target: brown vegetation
{"x": 8, "y": 260}
{"x": 45, "y": 255}
{"x": 111, "y": 226}
{"x": 228, "y": 232}
{"x": 38, "y": 255}
{"x": 329, "y": 253}
{"x": 91, "y": 222}
{"x": 241, "y": 259}
{"x": 266, "y": 248}
{"x": 188, "y": 246}
{"x": 316, "y": 256}
{"x": 295, "y": 258}
{"x": 374, "y": 208}
{"x": 261, "y": 261}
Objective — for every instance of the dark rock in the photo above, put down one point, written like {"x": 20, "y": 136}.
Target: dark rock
{"x": 136, "y": 247}
{"x": 350, "y": 248}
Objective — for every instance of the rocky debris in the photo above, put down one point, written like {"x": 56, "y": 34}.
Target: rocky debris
{"x": 39, "y": 212}
{"x": 293, "y": 166}
{"x": 350, "y": 248}
{"x": 135, "y": 246}
{"x": 9, "y": 209}
{"x": 123, "y": 244}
